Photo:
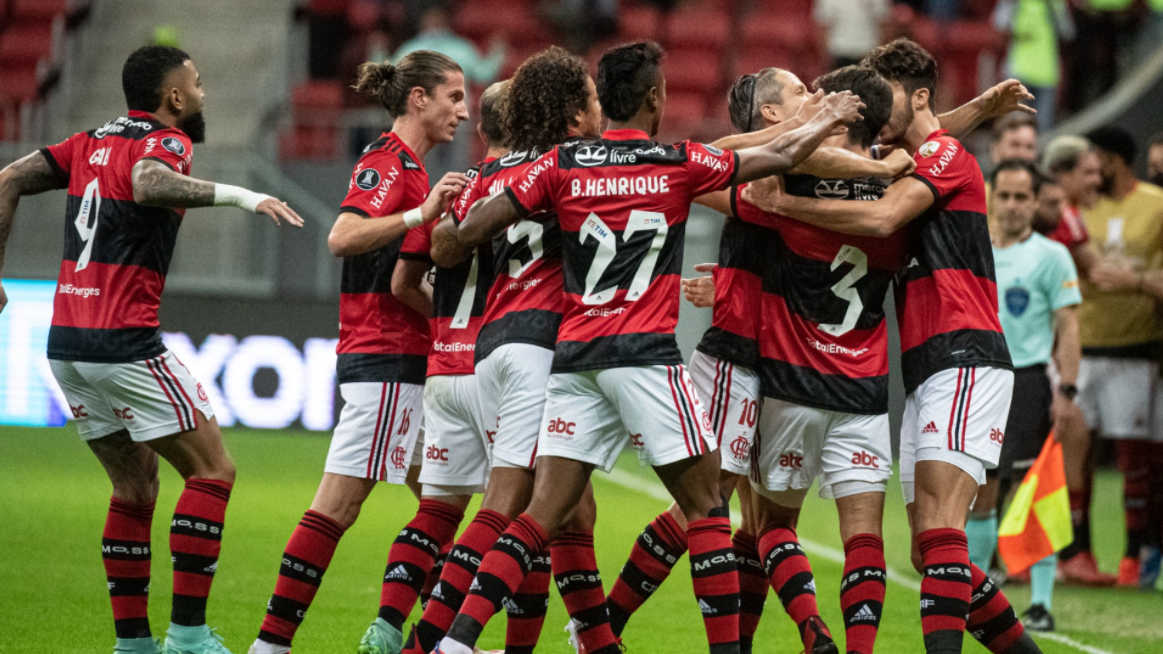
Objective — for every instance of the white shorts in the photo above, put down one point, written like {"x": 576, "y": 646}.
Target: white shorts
{"x": 731, "y": 397}
{"x": 590, "y": 416}
{"x": 152, "y": 398}
{"x": 378, "y": 432}
{"x": 456, "y": 448}
{"x": 1115, "y": 395}
{"x": 957, "y": 416}
{"x": 797, "y": 443}
{"x": 512, "y": 381}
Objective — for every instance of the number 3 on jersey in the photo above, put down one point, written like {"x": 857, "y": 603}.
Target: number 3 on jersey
{"x": 608, "y": 250}
{"x": 87, "y": 222}
{"x": 845, "y": 289}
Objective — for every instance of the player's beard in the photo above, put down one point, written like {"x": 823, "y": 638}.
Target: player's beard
{"x": 898, "y": 124}
{"x": 194, "y": 126}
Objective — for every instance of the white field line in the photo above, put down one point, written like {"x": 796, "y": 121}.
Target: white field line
{"x": 657, "y": 491}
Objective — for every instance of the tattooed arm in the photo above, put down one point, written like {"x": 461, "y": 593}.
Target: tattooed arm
{"x": 27, "y": 176}
{"x": 157, "y": 185}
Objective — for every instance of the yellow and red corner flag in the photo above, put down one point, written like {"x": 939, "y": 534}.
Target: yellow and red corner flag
{"x": 1037, "y": 524}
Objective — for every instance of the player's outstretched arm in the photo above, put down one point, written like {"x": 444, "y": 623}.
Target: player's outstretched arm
{"x": 446, "y": 248}
{"x": 352, "y": 234}
{"x": 838, "y": 163}
{"x": 996, "y": 102}
{"x": 904, "y": 200}
{"x": 787, "y": 151}
{"x": 157, "y": 185}
{"x": 26, "y": 176}
{"x": 486, "y": 219}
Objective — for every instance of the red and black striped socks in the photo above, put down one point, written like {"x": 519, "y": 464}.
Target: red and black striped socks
{"x": 125, "y": 550}
{"x": 195, "y": 541}
{"x": 305, "y": 560}
{"x": 459, "y": 570}
{"x": 992, "y": 620}
{"x": 753, "y": 585}
{"x": 862, "y": 591}
{"x": 433, "y": 577}
{"x": 575, "y": 570}
{"x": 945, "y": 589}
{"x": 501, "y": 573}
{"x": 412, "y": 556}
{"x": 791, "y": 576}
{"x": 528, "y": 608}
{"x": 716, "y": 581}
{"x": 653, "y": 556}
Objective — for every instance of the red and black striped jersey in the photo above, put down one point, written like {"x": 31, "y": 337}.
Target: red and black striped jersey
{"x": 823, "y": 340}
{"x": 734, "y": 332}
{"x": 117, "y": 252}
{"x": 525, "y": 302}
{"x": 459, "y": 294}
{"x": 946, "y": 298}
{"x": 380, "y": 338}
{"x": 622, "y": 201}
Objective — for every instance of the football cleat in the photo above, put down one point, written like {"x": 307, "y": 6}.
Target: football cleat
{"x": 210, "y": 644}
{"x": 137, "y": 646}
{"x": 477, "y": 650}
{"x": 451, "y": 648}
{"x": 259, "y": 647}
{"x": 1128, "y": 572}
{"x": 817, "y": 638}
{"x": 1082, "y": 570}
{"x": 381, "y": 638}
{"x": 574, "y": 641}
{"x": 1150, "y": 558}
{"x": 1037, "y": 618}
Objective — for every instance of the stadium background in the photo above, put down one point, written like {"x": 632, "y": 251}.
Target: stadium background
{"x": 253, "y": 310}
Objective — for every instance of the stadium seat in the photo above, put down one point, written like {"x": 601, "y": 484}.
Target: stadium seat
{"x": 641, "y": 23}
{"x": 697, "y": 30}
{"x": 684, "y": 113}
{"x": 363, "y": 15}
{"x": 483, "y": 18}
{"x": 25, "y": 42}
{"x": 309, "y": 143}
{"x": 37, "y": 9}
{"x": 691, "y": 70}
{"x": 18, "y": 82}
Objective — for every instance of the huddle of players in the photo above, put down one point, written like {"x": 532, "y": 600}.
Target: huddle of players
{"x": 575, "y": 354}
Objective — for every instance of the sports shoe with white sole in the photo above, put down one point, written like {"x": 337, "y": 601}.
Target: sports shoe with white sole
{"x": 381, "y": 638}
{"x": 260, "y": 647}
{"x": 210, "y": 644}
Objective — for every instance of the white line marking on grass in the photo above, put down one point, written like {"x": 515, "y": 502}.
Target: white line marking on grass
{"x": 657, "y": 491}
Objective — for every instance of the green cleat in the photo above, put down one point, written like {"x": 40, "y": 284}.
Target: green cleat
{"x": 202, "y": 640}
{"x": 137, "y": 646}
{"x": 381, "y": 638}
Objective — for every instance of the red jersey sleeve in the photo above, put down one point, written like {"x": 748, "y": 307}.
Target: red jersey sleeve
{"x": 944, "y": 166}
{"x": 1071, "y": 231}
{"x": 170, "y": 146}
{"x": 374, "y": 190}
{"x": 417, "y": 244}
{"x": 709, "y": 168}
{"x": 60, "y": 156}
{"x": 747, "y": 212}
{"x": 468, "y": 196}
{"x": 534, "y": 191}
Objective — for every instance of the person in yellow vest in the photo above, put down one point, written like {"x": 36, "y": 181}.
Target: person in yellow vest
{"x": 1121, "y": 337}
{"x": 1038, "y": 298}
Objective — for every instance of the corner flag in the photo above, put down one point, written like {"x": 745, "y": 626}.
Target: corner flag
{"x": 1037, "y": 523}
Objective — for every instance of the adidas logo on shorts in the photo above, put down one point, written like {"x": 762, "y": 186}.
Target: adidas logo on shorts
{"x": 864, "y": 613}
{"x": 399, "y": 572}
{"x": 707, "y": 609}
{"x": 930, "y": 428}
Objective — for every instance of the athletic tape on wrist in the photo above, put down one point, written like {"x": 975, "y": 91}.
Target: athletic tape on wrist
{"x": 413, "y": 218}
{"x": 228, "y": 195}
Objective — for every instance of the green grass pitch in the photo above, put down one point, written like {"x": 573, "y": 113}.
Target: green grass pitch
{"x": 55, "y": 497}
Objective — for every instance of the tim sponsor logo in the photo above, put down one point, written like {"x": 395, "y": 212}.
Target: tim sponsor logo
{"x": 82, "y": 291}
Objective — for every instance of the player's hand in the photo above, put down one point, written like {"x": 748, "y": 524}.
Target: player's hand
{"x": 279, "y": 211}
{"x": 442, "y": 195}
{"x": 1111, "y": 275}
{"x": 843, "y": 107}
{"x": 1066, "y": 415}
{"x": 899, "y": 163}
{"x": 767, "y": 194}
{"x": 1005, "y": 98}
{"x": 700, "y": 291}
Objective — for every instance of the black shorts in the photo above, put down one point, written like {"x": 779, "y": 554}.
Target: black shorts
{"x": 1028, "y": 424}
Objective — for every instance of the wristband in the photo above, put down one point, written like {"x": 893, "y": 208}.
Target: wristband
{"x": 1068, "y": 391}
{"x": 413, "y": 218}
{"x": 228, "y": 195}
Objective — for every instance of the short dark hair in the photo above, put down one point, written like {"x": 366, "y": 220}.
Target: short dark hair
{"x": 1157, "y": 139}
{"x": 874, "y": 92}
{"x": 144, "y": 72}
{"x": 1011, "y": 122}
{"x": 1036, "y": 177}
{"x": 493, "y": 102}
{"x": 908, "y": 63}
{"x": 545, "y": 95}
{"x": 748, "y": 95}
{"x": 625, "y": 75}
{"x": 1115, "y": 140}
{"x": 390, "y": 84}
